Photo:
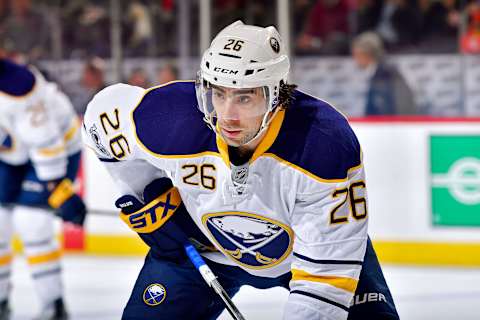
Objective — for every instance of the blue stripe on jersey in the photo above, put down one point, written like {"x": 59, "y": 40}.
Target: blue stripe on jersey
{"x": 317, "y": 138}
{"x": 319, "y": 261}
{"x": 168, "y": 121}
{"x": 314, "y": 296}
{"x": 40, "y": 243}
{"x": 46, "y": 273}
{"x": 15, "y": 80}
{"x": 108, "y": 160}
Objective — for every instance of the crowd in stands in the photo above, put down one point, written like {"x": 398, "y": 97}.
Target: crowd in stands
{"x": 45, "y": 29}
{"x": 33, "y": 31}
{"x": 93, "y": 80}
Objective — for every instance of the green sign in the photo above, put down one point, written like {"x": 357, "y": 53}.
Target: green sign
{"x": 455, "y": 180}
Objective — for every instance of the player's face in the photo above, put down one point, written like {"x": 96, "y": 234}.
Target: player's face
{"x": 239, "y": 113}
{"x": 361, "y": 58}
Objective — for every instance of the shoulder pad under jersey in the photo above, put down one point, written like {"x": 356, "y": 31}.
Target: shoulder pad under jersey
{"x": 107, "y": 124}
{"x": 169, "y": 123}
{"x": 317, "y": 138}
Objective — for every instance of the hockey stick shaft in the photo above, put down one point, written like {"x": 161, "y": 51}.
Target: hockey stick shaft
{"x": 212, "y": 281}
{"x": 104, "y": 212}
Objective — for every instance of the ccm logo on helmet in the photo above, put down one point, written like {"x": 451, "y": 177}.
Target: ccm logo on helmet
{"x": 226, "y": 71}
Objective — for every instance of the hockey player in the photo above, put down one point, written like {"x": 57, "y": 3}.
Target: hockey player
{"x": 40, "y": 145}
{"x": 274, "y": 180}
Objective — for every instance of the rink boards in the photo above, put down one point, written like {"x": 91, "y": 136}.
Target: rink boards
{"x": 423, "y": 178}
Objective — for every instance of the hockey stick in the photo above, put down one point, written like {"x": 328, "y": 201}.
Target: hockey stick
{"x": 201, "y": 266}
{"x": 212, "y": 281}
{"x": 104, "y": 212}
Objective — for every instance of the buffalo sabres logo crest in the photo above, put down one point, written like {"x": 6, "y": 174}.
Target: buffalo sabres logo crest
{"x": 154, "y": 294}
{"x": 250, "y": 240}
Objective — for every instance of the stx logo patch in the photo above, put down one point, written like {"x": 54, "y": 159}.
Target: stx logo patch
{"x": 155, "y": 214}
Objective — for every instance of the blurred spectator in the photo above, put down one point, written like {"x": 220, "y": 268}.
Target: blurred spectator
{"x": 470, "y": 41}
{"x": 367, "y": 15}
{"x": 138, "y": 78}
{"x": 140, "y": 30}
{"x": 388, "y": 93}
{"x": 86, "y": 28}
{"x": 301, "y": 9}
{"x": 227, "y": 11}
{"x": 440, "y": 24}
{"x": 3, "y": 9}
{"x": 167, "y": 73}
{"x": 326, "y": 29}
{"x": 400, "y": 24}
{"x": 92, "y": 81}
{"x": 8, "y": 51}
{"x": 164, "y": 24}
{"x": 251, "y": 12}
{"x": 26, "y": 29}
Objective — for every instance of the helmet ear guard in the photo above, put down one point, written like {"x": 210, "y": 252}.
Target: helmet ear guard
{"x": 244, "y": 56}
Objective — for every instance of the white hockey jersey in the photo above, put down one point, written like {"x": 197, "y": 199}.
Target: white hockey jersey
{"x": 299, "y": 205}
{"x": 37, "y": 122}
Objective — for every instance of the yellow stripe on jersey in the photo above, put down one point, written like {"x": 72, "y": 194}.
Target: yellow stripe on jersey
{"x": 63, "y": 191}
{"x": 155, "y": 214}
{"x": 51, "y": 152}
{"x": 223, "y": 149}
{"x": 357, "y": 166}
{"x": 308, "y": 173}
{"x": 271, "y": 135}
{"x": 44, "y": 258}
{"x": 5, "y": 260}
{"x": 344, "y": 283}
{"x": 72, "y": 130}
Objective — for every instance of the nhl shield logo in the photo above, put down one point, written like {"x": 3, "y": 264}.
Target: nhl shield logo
{"x": 250, "y": 240}
{"x": 154, "y": 294}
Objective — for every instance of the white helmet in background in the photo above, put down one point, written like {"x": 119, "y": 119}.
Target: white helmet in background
{"x": 243, "y": 56}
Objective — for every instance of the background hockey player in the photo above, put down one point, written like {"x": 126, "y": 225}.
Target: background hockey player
{"x": 39, "y": 156}
{"x": 274, "y": 180}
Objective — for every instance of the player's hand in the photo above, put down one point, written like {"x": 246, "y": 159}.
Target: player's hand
{"x": 165, "y": 239}
{"x": 67, "y": 203}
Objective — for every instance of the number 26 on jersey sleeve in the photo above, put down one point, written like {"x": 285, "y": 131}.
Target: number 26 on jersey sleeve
{"x": 357, "y": 204}
{"x": 118, "y": 143}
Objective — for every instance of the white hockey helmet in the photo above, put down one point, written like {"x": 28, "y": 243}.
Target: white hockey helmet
{"x": 243, "y": 56}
